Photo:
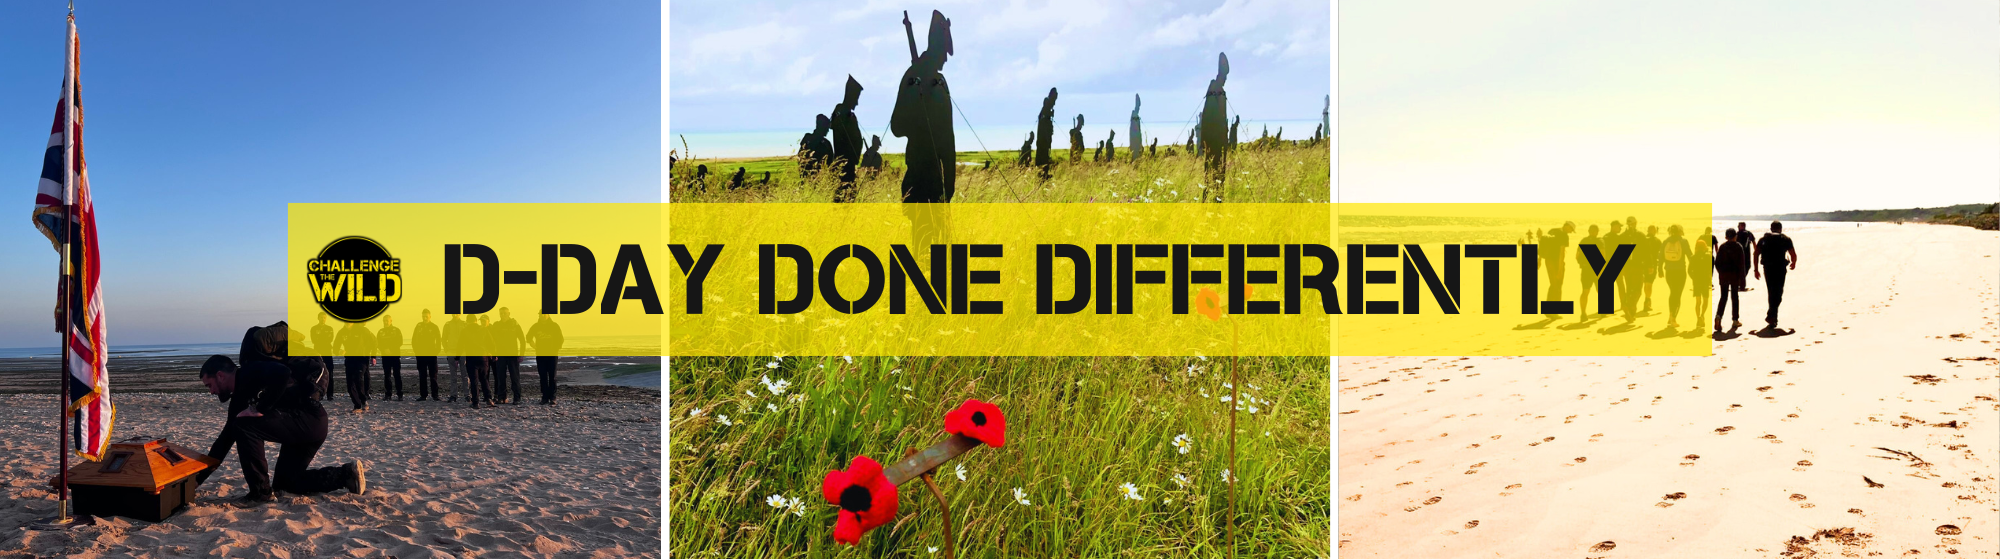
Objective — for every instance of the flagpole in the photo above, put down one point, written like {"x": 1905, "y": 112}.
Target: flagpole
{"x": 69, "y": 236}
{"x": 62, "y": 519}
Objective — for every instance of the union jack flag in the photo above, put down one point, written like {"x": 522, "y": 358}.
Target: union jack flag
{"x": 65, "y": 193}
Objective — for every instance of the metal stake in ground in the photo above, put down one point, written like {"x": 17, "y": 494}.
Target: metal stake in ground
{"x": 922, "y": 464}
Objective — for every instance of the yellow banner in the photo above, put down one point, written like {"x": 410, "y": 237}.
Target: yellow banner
{"x": 1002, "y": 279}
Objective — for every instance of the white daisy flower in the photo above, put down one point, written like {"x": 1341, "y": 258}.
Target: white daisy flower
{"x": 1226, "y": 477}
{"x": 695, "y": 413}
{"x": 1183, "y": 443}
{"x": 961, "y": 472}
{"x": 771, "y": 365}
{"x": 933, "y": 550}
{"x": 1131, "y": 492}
{"x": 1021, "y": 497}
{"x": 1180, "y": 480}
{"x": 723, "y": 419}
{"x": 848, "y": 358}
{"x": 771, "y": 407}
{"x": 1204, "y": 392}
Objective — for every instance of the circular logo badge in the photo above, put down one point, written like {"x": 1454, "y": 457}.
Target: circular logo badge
{"x": 354, "y": 279}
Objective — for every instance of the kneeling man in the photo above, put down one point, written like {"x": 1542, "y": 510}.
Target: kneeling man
{"x": 275, "y": 399}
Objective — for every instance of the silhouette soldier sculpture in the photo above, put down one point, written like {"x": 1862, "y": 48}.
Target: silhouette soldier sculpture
{"x": 1214, "y": 131}
{"x": 1045, "y": 133}
{"x": 923, "y": 114}
{"x": 847, "y": 140}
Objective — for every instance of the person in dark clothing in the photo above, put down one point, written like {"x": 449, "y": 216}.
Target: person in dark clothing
{"x": 1730, "y": 266}
{"x": 322, "y": 342}
{"x": 357, "y": 345}
{"x": 506, "y": 340}
{"x": 454, "y": 334}
{"x": 547, "y": 339}
{"x": 389, "y": 343}
{"x": 1551, "y": 246}
{"x": 1674, "y": 256}
{"x": 1772, "y": 251}
{"x": 1748, "y": 243}
{"x": 1702, "y": 268}
{"x": 424, "y": 341}
{"x": 1647, "y": 257}
{"x": 1587, "y": 278}
{"x": 275, "y": 399}
{"x": 473, "y": 344}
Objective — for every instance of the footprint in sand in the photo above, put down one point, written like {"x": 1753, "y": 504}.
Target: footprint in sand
{"x": 1803, "y": 464}
{"x": 1354, "y": 497}
{"x": 1603, "y": 546}
{"x": 1690, "y": 459}
{"x": 1948, "y": 530}
{"x": 1433, "y": 500}
{"x": 1471, "y": 525}
{"x": 1724, "y": 430}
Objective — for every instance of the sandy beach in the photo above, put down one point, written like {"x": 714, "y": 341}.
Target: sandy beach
{"x": 580, "y": 479}
{"x": 1873, "y": 430}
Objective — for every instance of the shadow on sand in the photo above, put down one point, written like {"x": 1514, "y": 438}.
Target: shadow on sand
{"x": 1774, "y": 332}
{"x": 1542, "y": 324}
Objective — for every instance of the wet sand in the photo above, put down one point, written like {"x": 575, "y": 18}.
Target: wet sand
{"x": 1872, "y": 430}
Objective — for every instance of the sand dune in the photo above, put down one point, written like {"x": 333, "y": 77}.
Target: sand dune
{"x": 581, "y": 479}
{"x": 1872, "y": 430}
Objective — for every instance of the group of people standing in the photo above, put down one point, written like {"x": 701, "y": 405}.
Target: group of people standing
{"x": 1673, "y": 258}
{"x": 482, "y": 354}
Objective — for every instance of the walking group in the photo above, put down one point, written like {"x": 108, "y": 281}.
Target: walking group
{"x": 1675, "y": 259}
{"x": 482, "y": 356}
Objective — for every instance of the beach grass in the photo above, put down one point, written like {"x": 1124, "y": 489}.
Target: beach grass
{"x": 1258, "y": 172}
{"x": 1078, "y": 429}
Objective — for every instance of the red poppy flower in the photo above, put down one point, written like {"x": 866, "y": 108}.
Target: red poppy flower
{"x": 979, "y": 420}
{"x": 866, "y": 499}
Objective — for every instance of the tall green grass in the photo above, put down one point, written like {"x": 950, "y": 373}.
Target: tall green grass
{"x": 1077, "y": 430}
{"x": 1262, "y": 172}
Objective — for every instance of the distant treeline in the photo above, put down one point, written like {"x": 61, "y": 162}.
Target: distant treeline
{"x": 1982, "y": 216}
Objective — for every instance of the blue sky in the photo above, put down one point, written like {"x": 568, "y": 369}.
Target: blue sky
{"x": 740, "y": 66}
{"x": 1771, "y": 106}
{"x": 205, "y": 119}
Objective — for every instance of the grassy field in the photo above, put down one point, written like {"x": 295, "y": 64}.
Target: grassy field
{"x": 1262, "y": 172}
{"x": 1078, "y": 429}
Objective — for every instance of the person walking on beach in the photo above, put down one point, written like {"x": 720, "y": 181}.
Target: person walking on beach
{"x": 1551, "y": 247}
{"x": 424, "y": 342}
{"x": 547, "y": 338}
{"x": 1700, "y": 269}
{"x": 275, "y": 399}
{"x": 358, "y": 346}
{"x": 1773, "y": 251}
{"x": 1730, "y": 267}
{"x": 454, "y": 355}
{"x": 1647, "y": 255}
{"x": 1748, "y": 243}
{"x": 322, "y": 342}
{"x": 1674, "y": 256}
{"x": 1627, "y": 294}
{"x": 506, "y": 340}
{"x": 1587, "y": 278}
{"x": 389, "y": 342}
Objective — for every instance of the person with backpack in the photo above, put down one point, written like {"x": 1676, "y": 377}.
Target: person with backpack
{"x": 1674, "y": 253}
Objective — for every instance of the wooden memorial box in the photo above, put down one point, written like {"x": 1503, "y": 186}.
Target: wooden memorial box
{"x": 141, "y": 478}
